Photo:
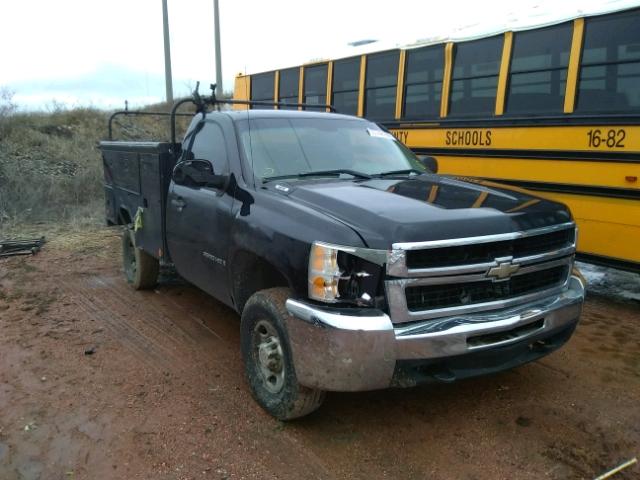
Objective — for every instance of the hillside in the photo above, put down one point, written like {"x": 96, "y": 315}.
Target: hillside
{"x": 50, "y": 167}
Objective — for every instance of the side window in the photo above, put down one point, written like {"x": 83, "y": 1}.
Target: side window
{"x": 288, "y": 85}
{"x": 475, "y": 77}
{"x": 380, "y": 86}
{"x": 538, "y": 74}
{"x": 610, "y": 68}
{"x": 262, "y": 86}
{"x": 346, "y": 85}
{"x": 423, "y": 82}
{"x": 209, "y": 145}
{"x": 315, "y": 85}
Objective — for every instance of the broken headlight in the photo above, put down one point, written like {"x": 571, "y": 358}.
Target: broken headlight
{"x": 339, "y": 274}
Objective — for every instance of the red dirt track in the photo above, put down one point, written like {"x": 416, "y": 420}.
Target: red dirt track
{"x": 163, "y": 396}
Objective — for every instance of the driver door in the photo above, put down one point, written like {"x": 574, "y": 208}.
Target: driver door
{"x": 199, "y": 218}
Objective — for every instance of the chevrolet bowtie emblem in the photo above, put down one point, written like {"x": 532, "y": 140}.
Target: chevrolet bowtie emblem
{"x": 503, "y": 270}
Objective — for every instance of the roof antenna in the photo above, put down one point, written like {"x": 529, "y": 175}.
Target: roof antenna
{"x": 214, "y": 100}
{"x": 197, "y": 99}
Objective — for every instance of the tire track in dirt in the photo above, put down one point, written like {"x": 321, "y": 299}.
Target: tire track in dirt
{"x": 150, "y": 310}
{"x": 572, "y": 415}
{"x": 164, "y": 342}
{"x": 188, "y": 339}
{"x": 176, "y": 338}
{"x": 138, "y": 309}
{"x": 120, "y": 331}
{"x": 141, "y": 331}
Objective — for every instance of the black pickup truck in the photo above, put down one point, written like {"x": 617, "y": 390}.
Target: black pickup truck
{"x": 353, "y": 266}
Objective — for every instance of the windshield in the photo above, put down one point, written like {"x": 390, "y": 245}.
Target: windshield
{"x": 281, "y": 147}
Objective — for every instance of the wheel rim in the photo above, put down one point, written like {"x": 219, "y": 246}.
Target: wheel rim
{"x": 269, "y": 358}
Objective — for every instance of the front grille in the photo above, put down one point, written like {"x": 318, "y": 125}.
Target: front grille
{"x": 509, "y": 335}
{"x": 487, "y": 252}
{"x": 427, "y": 297}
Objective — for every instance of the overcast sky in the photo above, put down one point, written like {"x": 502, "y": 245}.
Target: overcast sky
{"x": 91, "y": 52}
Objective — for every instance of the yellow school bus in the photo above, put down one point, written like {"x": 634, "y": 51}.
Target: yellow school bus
{"x": 554, "y": 109}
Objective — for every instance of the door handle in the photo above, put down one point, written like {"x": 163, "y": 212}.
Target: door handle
{"x": 179, "y": 203}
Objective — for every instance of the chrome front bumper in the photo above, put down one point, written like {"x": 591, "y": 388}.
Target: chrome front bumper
{"x": 344, "y": 350}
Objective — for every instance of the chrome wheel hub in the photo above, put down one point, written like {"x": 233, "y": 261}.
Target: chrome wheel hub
{"x": 269, "y": 357}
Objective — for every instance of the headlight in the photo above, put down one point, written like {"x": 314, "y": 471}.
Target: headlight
{"x": 344, "y": 274}
{"x": 324, "y": 273}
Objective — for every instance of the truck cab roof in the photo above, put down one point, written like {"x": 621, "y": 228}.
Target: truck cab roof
{"x": 240, "y": 115}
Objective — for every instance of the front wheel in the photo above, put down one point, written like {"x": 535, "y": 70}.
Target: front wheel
{"x": 140, "y": 268}
{"x": 267, "y": 358}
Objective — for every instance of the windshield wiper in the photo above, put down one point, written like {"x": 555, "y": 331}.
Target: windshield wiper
{"x": 400, "y": 172}
{"x": 335, "y": 172}
{"x": 338, "y": 171}
{"x": 279, "y": 177}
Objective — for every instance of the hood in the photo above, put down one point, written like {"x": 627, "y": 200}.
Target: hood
{"x": 429, "y": 207}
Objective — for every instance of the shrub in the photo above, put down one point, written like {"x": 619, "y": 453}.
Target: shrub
{"x": 50, "y": 166}
{"x": 7, "y": 108}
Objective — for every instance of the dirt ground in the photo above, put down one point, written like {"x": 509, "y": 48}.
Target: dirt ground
{"x": 163, "y": 396}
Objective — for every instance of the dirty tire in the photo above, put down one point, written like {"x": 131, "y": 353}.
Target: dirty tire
{"x": 263, "y": 319}
{"x": 140, "y": 268}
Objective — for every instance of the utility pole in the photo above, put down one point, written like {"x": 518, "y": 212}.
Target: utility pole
{"x": 167, "y": 52}
{"x": 216, "y": 20}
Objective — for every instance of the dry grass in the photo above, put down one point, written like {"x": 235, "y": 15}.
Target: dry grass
{"x": 50, "y": 166}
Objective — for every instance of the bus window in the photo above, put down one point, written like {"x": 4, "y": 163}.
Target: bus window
{"x": 538, "y": 74}
{"x": 610, "y": 68}
{"x": 475, "y": 77}
{"x": 346, "y": 82}
{"x": 423, "y": 82}
{"x": 315, "y": 85}
{"x": 288, "y": 85}
{"x": 380, "y": 85}
{"x": 262, "y": 86}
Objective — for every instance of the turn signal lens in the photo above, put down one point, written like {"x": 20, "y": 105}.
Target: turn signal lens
{"x": 323, "y": 258}
{"x": 324, "y": 289}
{"x": 577, "y": 273}
{"x": 324, "y": 273}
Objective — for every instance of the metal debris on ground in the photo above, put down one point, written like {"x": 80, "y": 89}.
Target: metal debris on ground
{"x": 11, "y": 248}
{"x": 618, "y": 469}
{"x": 30, "y": 426}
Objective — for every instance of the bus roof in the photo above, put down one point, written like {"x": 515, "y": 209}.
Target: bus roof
{"x": 540, "y": 18}
{"x": 509, "y": 21}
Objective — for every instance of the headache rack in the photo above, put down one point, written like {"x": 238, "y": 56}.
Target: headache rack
{"x": 203, "y": 103}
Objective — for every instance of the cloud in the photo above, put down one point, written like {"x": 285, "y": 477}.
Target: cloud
{"x": 101, "y": 53}
{"x": 108, "y": 86}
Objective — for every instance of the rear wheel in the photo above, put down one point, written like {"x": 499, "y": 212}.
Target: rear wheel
{"x": 140, "y": 268}
{"x": 267, "y": 358}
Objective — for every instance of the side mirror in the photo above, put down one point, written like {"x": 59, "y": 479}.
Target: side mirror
{"x": 429, "y": 162}
{"x": 197, "y": 173}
